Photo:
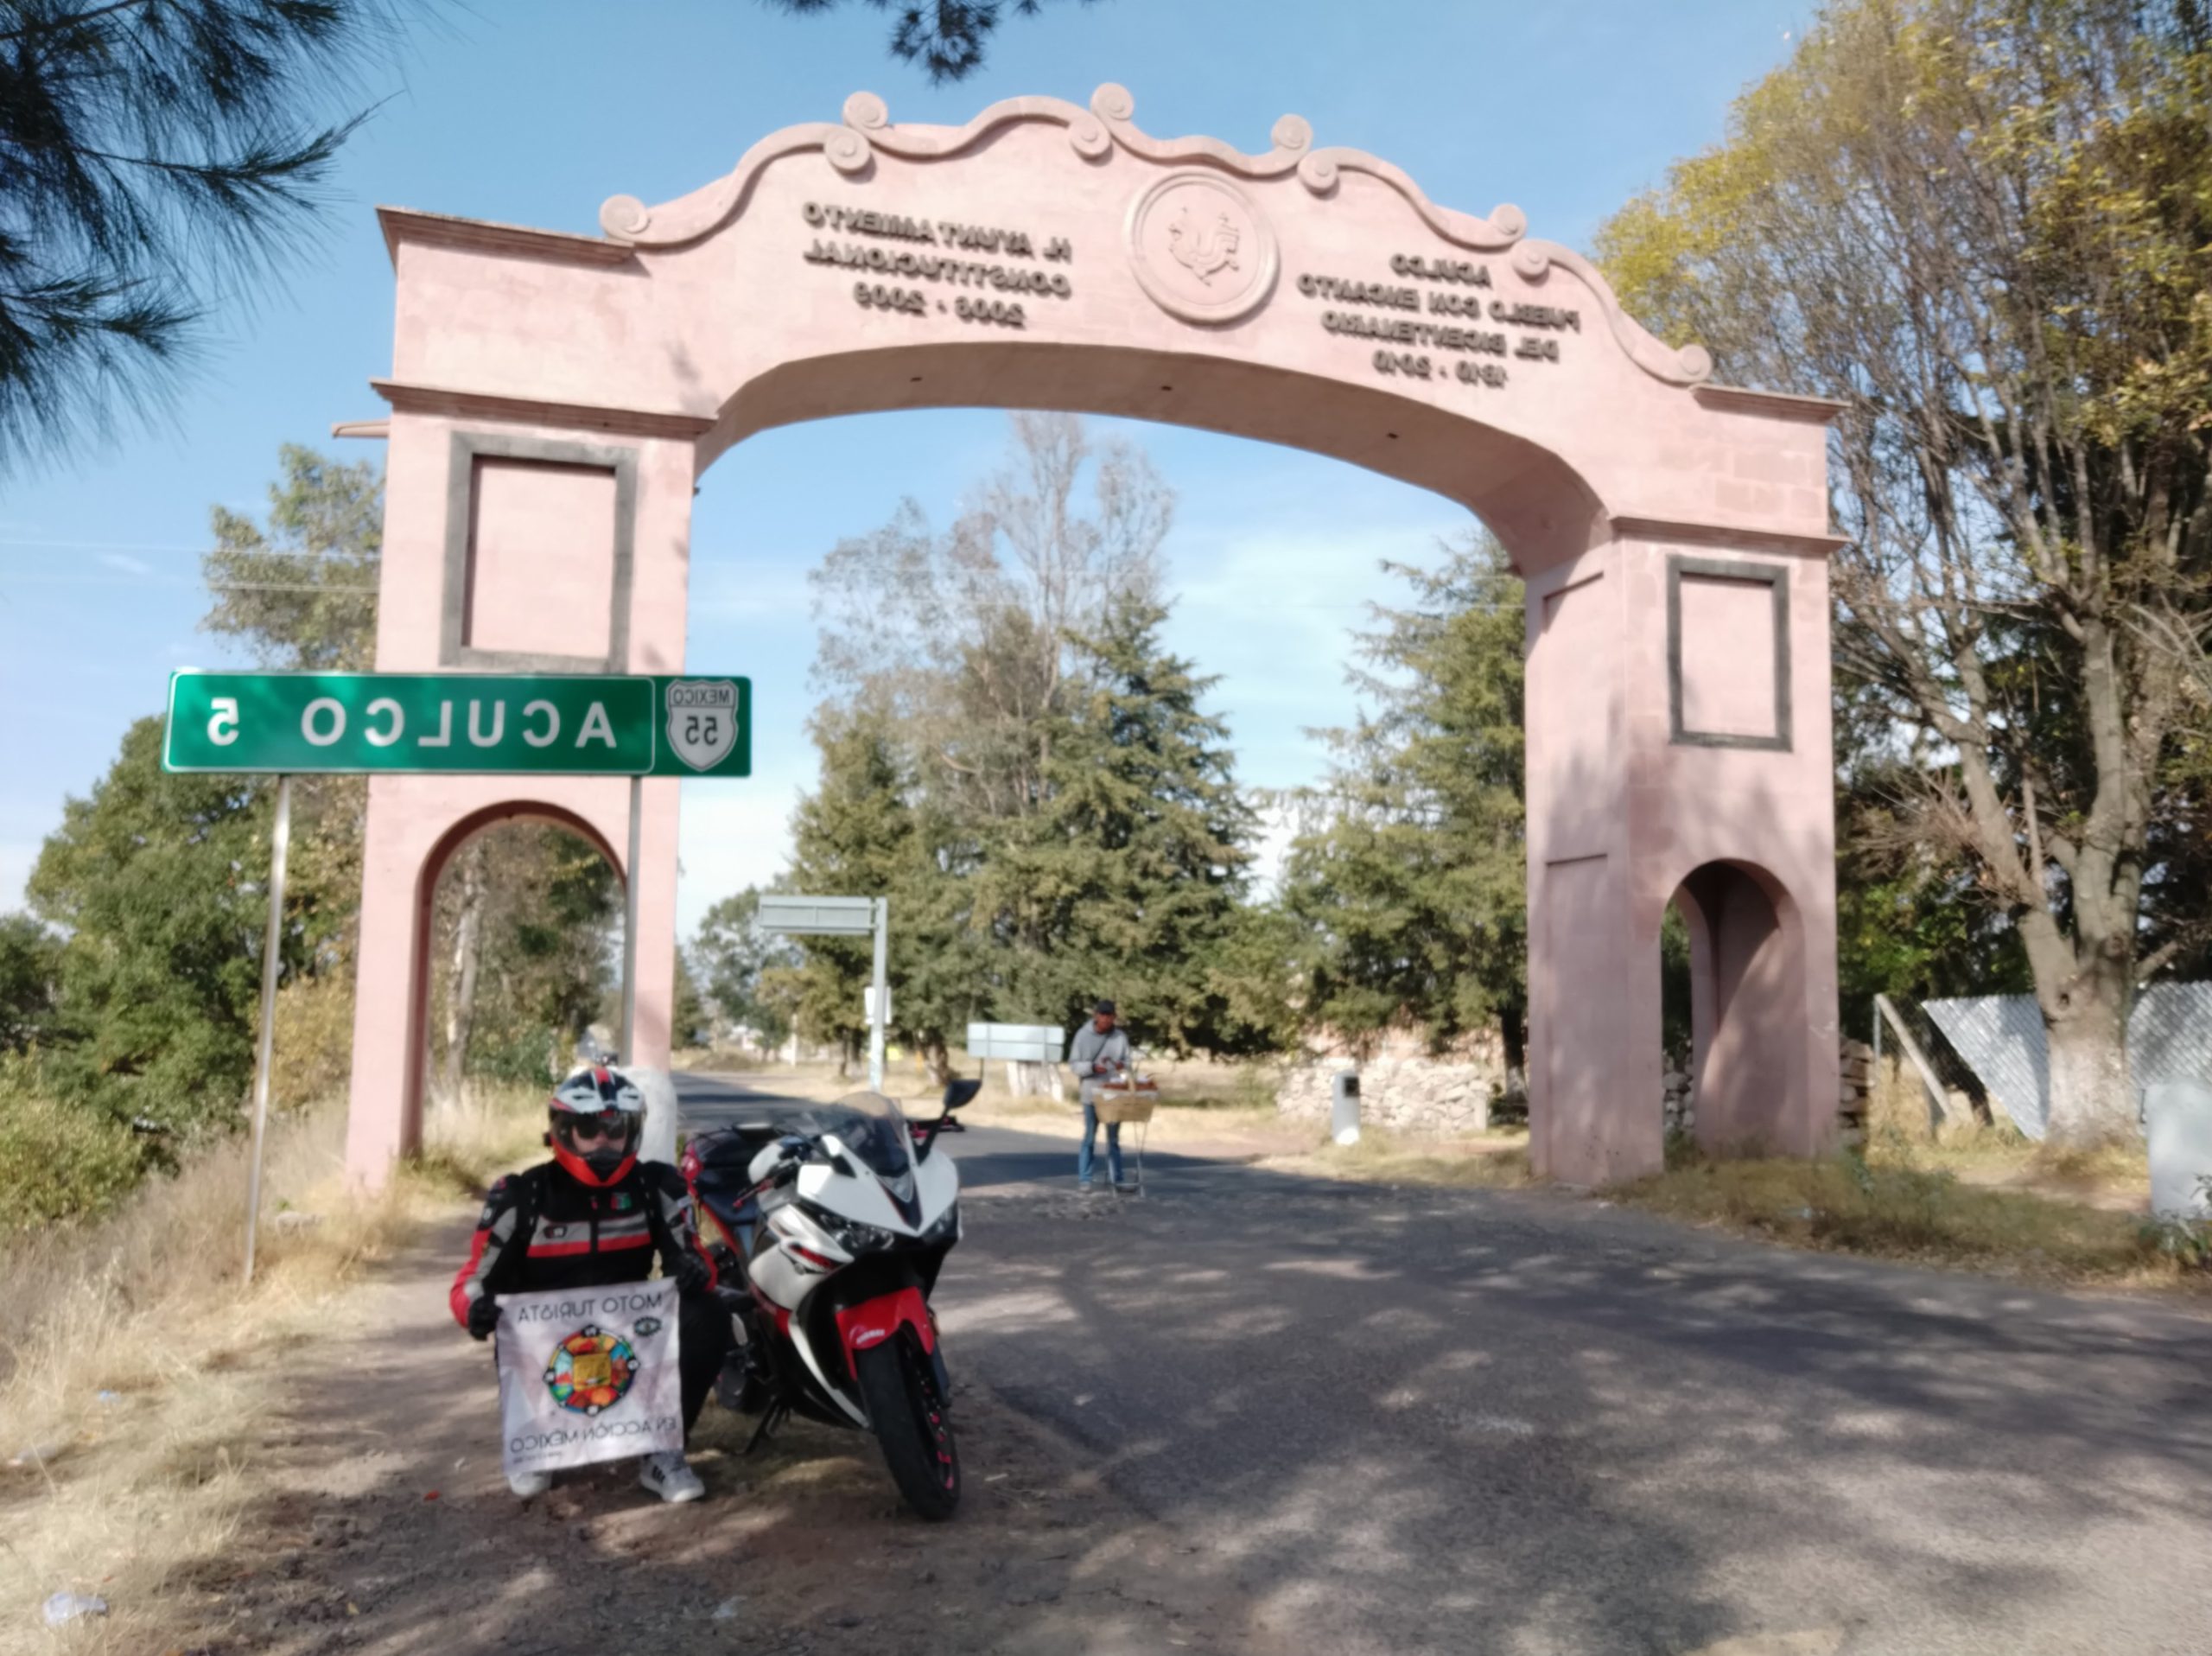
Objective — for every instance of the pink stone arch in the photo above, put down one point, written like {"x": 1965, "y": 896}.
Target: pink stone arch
{"x": 555, "y": 398}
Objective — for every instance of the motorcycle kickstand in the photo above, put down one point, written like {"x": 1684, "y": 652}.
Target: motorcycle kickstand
{"x": 771, "y": 1424}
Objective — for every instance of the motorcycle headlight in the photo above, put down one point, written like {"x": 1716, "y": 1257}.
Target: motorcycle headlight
{"x": 947, "y": 1228}
{"x": 853, "y": 1236}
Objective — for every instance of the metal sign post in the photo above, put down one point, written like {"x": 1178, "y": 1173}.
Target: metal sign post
{"x": 787, "y": 916}
{"x": 630, "y": 920}
{"x": 280, "y": 845}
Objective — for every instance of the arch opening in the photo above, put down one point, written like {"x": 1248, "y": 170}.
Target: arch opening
{"x": 1743, "y": 981}
{"x": 1536, "y": 503}
{"x": 517, "y": 916}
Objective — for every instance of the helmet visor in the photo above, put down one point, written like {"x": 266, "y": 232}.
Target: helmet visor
{"x": 602, "y": 1141}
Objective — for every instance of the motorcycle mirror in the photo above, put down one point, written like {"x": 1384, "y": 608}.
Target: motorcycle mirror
{"x": 960, "y": 1093}
{"x": 772, "y": 1156}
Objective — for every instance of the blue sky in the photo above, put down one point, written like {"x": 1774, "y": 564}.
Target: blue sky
{"x": 534, "y": 112}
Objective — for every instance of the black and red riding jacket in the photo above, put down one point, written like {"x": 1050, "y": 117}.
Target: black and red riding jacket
{"x": 543, "y": 1228}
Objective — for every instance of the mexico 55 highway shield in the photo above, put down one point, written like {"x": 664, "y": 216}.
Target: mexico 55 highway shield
{"x": 560, "y": 724}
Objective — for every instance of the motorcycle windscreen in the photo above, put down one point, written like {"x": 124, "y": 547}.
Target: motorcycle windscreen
{"x": 874, "y": 1131}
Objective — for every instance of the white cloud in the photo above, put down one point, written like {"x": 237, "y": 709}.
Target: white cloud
{"x": 128, "y": 564}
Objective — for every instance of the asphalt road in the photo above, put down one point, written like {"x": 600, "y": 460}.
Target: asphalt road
{"x": 1419, "y": 1420}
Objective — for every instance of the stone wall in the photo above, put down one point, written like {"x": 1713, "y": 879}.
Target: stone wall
{"x": 1466, "y": 1092}
{"x": 1855, "y": 1083}
{"x": 1401, "y": 1087}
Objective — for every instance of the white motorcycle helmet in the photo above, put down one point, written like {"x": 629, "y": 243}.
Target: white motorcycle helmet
{"x": 598, "y": 1114}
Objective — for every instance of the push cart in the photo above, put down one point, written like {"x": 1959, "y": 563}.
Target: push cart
{"x": 1126, "y": 1101}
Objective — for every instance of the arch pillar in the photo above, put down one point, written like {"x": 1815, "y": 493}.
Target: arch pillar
{"x": 1678, "y": 715}
{"x": 512, "y": 544}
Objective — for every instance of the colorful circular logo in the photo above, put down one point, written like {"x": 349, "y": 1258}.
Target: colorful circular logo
{"x": 591, "y": 1370}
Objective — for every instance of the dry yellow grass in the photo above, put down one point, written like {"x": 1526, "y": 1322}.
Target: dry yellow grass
{"x": 1918, "y": 1207}
{"x": 1900, "y": 1134}
{"x": 127, "y": 1494}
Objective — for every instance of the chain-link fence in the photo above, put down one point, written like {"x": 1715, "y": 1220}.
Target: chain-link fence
{"x": 1991, "y": 1046}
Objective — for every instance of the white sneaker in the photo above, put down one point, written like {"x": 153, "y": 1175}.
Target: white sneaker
{"x": 526, "y": 1484}
{"x": 668, "y": 1475}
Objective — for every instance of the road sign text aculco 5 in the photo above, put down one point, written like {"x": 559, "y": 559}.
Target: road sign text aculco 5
{"x": 576, "y": 725}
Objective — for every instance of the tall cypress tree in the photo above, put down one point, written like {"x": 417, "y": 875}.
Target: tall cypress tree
{"x": 1125, "y": 883}
{"x": 866, "y": 832}
{"x": 1408, "y": 883}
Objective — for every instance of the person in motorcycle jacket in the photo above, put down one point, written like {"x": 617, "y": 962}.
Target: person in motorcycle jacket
{"x": 593, "y": 1216}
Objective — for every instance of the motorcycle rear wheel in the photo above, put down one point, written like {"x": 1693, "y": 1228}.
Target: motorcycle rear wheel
{"x": 909, "y": 1421}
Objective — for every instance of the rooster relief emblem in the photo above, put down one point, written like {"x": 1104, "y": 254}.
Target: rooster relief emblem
{"x": 1206, "y": 252}
{"x": 1202, "y": 250}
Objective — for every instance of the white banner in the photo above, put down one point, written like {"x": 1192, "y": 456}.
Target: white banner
{"x": 589, "y": 1374}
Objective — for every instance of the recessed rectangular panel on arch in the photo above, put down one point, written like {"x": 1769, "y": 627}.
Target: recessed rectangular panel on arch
{"x": 540, "y": 538}
{"x": 1728, "y": 654}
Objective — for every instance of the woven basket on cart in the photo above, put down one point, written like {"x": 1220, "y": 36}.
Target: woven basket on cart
{"x": 1128, "y": 1101}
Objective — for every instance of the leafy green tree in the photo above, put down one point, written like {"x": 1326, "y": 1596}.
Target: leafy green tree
{"x": 976, "y": 665}
{"x": 730, "y": 957}
{"x": 948, "y": 38}
{"x": 30, "y": 971}
{"x": 865, "y": 833}
{"x": 158, "y": 882}
{"x": 299, "y": 588}
{"x": 58, "y": 1161}
{"x": 156, "y": 153}
{"x": 1986, "y": 226}
{"x": 1408, "y": 883}
{"x": 1127, "y": 880}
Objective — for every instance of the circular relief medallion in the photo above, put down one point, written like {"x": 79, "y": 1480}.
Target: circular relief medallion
{"x": 1200, "y": 248}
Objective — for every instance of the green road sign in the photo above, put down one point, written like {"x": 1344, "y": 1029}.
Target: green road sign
{"x": 480, "y": 723}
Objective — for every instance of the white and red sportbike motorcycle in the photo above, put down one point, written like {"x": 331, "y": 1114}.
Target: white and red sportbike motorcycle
{"x": 837, "y": 1219}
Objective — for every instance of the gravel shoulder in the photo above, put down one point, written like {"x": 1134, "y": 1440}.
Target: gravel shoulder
{"x": 383, "y": 1526}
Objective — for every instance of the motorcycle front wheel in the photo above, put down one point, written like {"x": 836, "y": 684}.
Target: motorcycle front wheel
{"x": 909, "y": 1420}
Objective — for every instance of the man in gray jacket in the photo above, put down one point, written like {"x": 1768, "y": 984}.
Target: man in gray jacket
{"x": 1099, "y": 1052}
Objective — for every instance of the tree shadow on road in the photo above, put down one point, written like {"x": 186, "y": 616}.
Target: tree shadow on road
{"x": 1438, "y": 1420}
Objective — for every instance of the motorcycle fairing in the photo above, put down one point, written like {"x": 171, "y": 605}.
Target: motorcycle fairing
{"x": 873, "y": 1321}
{"x": 863, "y": 1199}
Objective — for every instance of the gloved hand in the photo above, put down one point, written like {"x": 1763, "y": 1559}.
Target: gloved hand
{"x": 690, "y": 1273}
{"x": 483, "y": 1317}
